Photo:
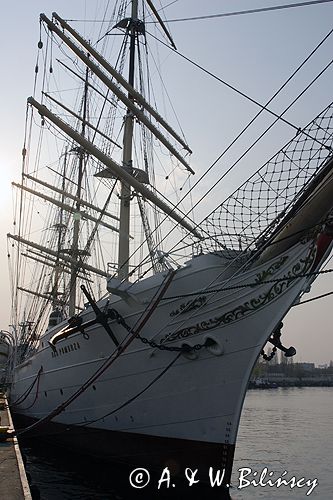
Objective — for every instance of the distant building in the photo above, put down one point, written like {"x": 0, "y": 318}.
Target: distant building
{"x": 309, "y": 367}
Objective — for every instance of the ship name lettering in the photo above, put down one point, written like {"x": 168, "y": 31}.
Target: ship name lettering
{"x": 65, "y": 349}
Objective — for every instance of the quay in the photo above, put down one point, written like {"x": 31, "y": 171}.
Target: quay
{"x": 13, "y": 483}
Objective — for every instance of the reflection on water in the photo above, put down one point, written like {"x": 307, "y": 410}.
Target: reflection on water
{"x": 286, "y": 429}
{"x": 281, "y": 429}
{"x": 67, "y": 475}
{"x": 62, "y": 476}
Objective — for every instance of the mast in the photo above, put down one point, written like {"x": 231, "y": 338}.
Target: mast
{"x": 53, "y": 253}
{"x": 115, "y": 74}
{"x": 65, "y": 206}
{"x": 125, "y": 193}
{"x": 66, "y": 194}
{"x": 75, "y": 252}
{"x": 116, "y": 169}
{"x": 60, "y": 228}
{"x": 140, "y": 115}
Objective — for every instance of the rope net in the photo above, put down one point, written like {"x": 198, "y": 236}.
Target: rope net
{"x": 253, "y": 211}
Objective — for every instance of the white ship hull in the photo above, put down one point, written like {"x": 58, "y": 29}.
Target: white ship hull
{"x": 198, "y": 400}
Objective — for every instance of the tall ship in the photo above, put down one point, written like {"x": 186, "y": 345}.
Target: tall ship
{"x": 135, "y": 325}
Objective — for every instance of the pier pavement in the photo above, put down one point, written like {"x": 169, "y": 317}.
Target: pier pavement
{"x": 13, "y": 480}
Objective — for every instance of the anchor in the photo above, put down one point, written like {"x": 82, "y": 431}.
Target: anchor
{"x": 276, "y": 341}
{"x": 75, "y": 323}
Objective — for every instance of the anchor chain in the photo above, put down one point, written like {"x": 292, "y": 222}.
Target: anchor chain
{"x": 114, "y": 314}
{"x": 268, "y": 357}
{"x": 103, "y": 317}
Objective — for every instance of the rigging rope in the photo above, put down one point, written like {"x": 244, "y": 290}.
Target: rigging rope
{"x": 26, "y": 393}
{"x": 83, "y": 424}
{"x": 36, "y": 395}
{"x": 113, "y": 356}
{"x": 249, "y": 285}
{"x": 265, "y": 107}
{"x": 238, "y": 91}
{"x": 248, "y": 11}
{"x": 133, "y": 398}
{"x": 235, "y": 140}
{"x": 224, "y": 14}
{"x": 287, "y": 81}
{"x": 317, "y": 297}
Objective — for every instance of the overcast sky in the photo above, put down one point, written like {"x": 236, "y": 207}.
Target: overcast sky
{"x": 256, "y": 53}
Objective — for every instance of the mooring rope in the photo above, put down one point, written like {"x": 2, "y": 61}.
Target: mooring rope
{"x": 110, "y": 360}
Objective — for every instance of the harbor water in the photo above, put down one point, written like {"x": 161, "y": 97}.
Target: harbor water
{"x": 286, "y": 429}
{"x": 284, "y": 433}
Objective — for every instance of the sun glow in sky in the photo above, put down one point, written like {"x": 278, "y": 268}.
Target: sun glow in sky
{"x": 256, "y": 53}
{"x": 5, "y": 188}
